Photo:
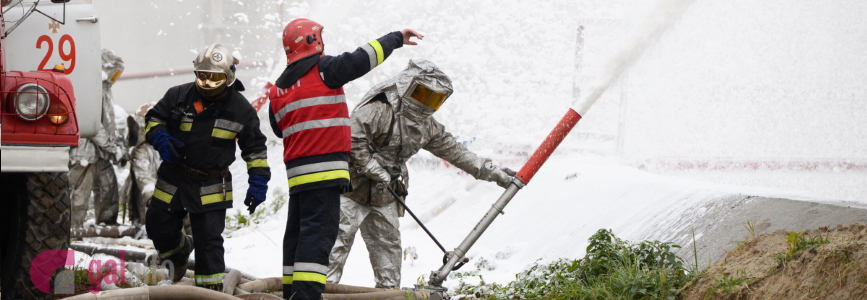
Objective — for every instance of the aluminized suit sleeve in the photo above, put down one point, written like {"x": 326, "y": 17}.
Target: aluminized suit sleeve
{"x": 369, "y": 127}
{"x": 106, "y": 137}
{"x": 443, "y": 145}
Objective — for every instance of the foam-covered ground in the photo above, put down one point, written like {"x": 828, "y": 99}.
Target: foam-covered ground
{"x": 571, "y": 197}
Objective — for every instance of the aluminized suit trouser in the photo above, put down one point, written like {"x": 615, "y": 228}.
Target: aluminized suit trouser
{"x": 380, "y": 229}
{"x": 310, "y": 232}
{"x": 143, "y": 165}
{"x": 100, "y": 178}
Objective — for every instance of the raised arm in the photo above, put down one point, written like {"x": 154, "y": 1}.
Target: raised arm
{"x": 346, "y": 67}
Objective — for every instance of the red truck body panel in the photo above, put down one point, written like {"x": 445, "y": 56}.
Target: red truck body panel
{"x": 41, "y": 131}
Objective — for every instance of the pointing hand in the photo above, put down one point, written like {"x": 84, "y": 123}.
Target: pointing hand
{"x": 408, "y": 33}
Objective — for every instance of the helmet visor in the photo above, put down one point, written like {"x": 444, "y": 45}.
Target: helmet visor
{"x": 428, "y": 97}
{"x": 210, "y": 80}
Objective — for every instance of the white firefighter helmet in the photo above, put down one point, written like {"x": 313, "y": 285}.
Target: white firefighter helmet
{"x": 214, "y": 67}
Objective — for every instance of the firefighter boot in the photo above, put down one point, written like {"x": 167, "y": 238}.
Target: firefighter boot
{"x": 216, "y": 287}
{"x": 179, "y": 259}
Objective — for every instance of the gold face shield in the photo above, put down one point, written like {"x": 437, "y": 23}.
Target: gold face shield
{"x": 427, "y": 96}
{"x": 210, "y": 80}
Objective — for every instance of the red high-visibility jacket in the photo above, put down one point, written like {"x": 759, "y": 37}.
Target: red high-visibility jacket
{"x": 308, "y": 110}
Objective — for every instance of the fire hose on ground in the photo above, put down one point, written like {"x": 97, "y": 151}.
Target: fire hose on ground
{"x": 236, "y": 284}
{"x": 104, "y": 231}
{"x": 258, "y": 288}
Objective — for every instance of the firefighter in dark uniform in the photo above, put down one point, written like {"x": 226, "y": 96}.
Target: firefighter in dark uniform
{"x": 194, "y": 128}
{"x": 308, "y": 110}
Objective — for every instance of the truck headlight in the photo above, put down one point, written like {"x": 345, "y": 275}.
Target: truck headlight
{"x": 31, "y": 102}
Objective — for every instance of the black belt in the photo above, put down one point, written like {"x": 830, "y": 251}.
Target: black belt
{"x": 193, "y": 174}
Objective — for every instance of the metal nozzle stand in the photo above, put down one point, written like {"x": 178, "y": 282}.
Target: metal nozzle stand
{"x": 435, "y": 288}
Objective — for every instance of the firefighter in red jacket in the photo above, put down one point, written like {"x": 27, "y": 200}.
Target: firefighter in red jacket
{"x": 308, "y": 110}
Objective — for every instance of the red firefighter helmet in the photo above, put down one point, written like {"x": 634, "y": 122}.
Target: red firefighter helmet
{"x": 302, "y": 38}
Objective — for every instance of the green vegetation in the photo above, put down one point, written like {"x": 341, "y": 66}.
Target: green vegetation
{"x": 612, "y": 269}
{"x": 750, "y": 226}
{"x": 85, "y": 281}
{"x": 421, "y": 281}
{"x": 265, "y": 210}
{"x": 726, "y": 284}
{"x": 797, "y": 242}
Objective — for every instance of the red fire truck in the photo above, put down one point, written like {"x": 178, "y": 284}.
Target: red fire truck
{"x": 50, "y": 88}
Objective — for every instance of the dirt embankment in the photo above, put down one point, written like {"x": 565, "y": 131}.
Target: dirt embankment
{"x": 825, "y": 263}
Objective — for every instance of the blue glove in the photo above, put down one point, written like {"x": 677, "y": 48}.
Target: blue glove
{"x": 165, "y": 144}
{"x": 256, "y": 192}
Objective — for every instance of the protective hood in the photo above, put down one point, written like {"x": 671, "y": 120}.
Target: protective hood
{"x": 112, "y": 67}
{"x": 398, "y": 88}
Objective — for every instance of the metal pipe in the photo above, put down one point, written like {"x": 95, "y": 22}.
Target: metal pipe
{"x": 522, "y": 178}
{"x": 437, "y": 277}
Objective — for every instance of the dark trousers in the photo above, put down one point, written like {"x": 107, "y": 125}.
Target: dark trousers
{"x": 164, "y": 228}
{"x": 311, "y": 230}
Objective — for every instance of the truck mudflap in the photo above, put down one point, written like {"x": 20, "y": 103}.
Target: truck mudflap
{"x": 31, "y": 159}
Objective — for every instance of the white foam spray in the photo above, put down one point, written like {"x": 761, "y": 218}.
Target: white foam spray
{"x": 644, "y": 35}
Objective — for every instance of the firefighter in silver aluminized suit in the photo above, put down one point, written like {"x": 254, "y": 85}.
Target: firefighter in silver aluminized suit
{"x": 391, "y": 124}
{"x": 91, "y": 163}
{"x": 144, "y": 162}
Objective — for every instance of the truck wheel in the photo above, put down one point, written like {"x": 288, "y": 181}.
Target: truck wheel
{"x": 36, "y": 218}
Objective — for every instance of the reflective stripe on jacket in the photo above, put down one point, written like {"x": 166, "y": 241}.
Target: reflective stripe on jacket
{"x": 314, "y": 122}
{"x": 308, "y": 110}
{"x": 209, "y": 138}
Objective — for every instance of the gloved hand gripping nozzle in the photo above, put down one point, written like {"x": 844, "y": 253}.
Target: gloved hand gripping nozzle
{"x": 374, "y": 171}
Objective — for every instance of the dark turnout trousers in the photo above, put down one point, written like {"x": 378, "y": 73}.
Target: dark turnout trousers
{"x": 311, "y": 230}
{"x": 165, "y": 229}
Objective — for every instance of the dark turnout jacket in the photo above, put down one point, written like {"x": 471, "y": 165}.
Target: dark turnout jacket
{"x": 209, "y": 138}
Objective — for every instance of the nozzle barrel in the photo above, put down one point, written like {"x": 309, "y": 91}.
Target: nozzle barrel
{"x": 548, "y": 146}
